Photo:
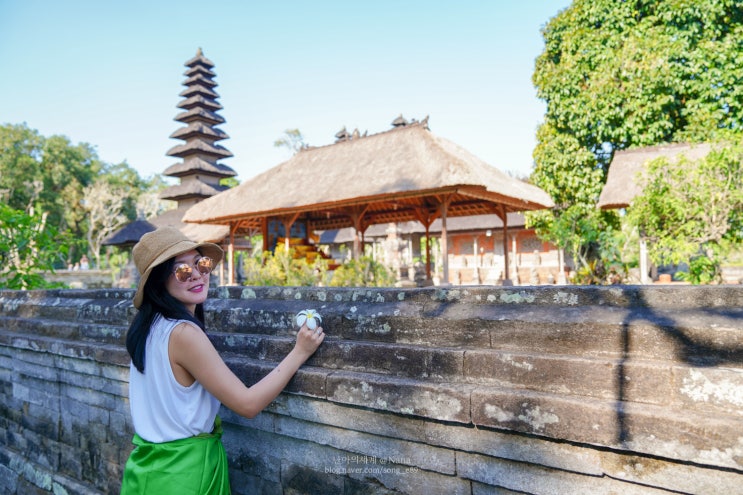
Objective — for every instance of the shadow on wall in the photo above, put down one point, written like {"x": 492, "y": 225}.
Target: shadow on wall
{"x": 699, "y": 349}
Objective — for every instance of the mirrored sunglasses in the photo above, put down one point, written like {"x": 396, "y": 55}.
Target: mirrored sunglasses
{"x": 183, "y": 271}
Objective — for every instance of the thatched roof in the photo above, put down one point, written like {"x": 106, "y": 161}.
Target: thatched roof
{"x": 397, "y": 176}
{"x": 621, "y": 183}
{"x": 199, "y": 100}
{"x": 129, "y": 234}
{"x": 195, "y": 232}
{"x": 199, "y": 114}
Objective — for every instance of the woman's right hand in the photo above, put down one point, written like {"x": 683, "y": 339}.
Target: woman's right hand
{"x": 309, "y": 340}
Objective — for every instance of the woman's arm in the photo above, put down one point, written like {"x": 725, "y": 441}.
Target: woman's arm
{"x": 192, "y": 352}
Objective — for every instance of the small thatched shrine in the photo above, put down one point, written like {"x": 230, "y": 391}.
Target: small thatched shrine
{"x": 621, "y": 183}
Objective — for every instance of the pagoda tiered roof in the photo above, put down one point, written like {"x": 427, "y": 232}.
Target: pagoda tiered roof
{"x": 190, "y": 190}
{"x": 200, "y": 148}
{"x": 198, "y": 89}
{"x": 197, "y": 128}
{"x": 193, "y": 164}
{"x": 199, "y": 171}
{"x": 199, "y": 114}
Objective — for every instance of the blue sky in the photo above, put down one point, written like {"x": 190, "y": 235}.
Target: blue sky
{"x": 109, "y": 73}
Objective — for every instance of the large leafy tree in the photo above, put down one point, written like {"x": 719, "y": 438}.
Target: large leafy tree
{"x": 618, "y": 74}
{"x": 54, "y": 178}
{"x": 47, "y": 175}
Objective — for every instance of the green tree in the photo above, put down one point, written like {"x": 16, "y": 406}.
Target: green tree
{"x": 692, "y": 212}
{"x": 28, "y": 246}
{"x": 616, "y": 75}
{"x": 47, "y": 175}
{"x": 50, "y": 175}
{"x": 148, "y": 202}
{"x": 20, "y": 151}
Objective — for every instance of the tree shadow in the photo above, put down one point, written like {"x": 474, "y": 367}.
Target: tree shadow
{"x": 691, "y": 346}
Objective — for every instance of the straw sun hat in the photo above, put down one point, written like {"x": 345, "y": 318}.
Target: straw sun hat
{"x": 159, "y": 246}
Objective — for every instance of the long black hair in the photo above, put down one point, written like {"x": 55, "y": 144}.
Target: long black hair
{"x": 157, "y": 301}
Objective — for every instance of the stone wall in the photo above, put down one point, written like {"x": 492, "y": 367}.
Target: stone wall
{"x": 82, "y": 279}
{"x": 477, "y": 390}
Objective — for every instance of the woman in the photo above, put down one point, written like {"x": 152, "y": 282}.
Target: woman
{"x": 177, "y": 378}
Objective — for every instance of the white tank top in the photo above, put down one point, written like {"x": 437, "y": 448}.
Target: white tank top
{"x": 163, "y": 409}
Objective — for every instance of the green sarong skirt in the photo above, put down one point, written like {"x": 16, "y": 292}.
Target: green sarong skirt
{"x": 189, "y": 466}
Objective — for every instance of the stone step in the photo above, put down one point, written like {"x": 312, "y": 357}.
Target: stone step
{"x": 631, "y": 296}
{"x": 112, "y": 334}
{"x": 52, "y": 347}
{"x": 616, "y": 423}
{"x": 92, "y": 306}
{"x": 703, "y": 336}
{"x": 430, "y": 300}
{"x": 631, "y": 380}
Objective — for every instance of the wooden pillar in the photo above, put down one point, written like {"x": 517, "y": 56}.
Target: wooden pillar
{"x": 264, "y": 233}
{"x": 644, "y": 271}
{"x": 444, "y": 242}
{"x": 503, "y": 214}
{"x": 515, "y": 272}
{"x": 426, "y": 216}
{"x": 230, "y": 255}
{"x": 561, "y": 280}
{"x": 428, "y": 251}
{"x": 288, "y": 222}
{"x": 357, "y": 217}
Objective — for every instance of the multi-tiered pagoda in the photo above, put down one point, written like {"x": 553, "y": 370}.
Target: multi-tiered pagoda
{"x": 200, "y": 171}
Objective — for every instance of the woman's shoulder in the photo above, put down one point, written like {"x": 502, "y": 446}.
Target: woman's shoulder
{"x": 168, "y": 325}
{"x": 185, "y": 325}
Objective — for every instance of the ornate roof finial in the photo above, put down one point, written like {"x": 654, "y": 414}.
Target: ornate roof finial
{"x": 399, "y": 122}
{"x": 342, "y": 135}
